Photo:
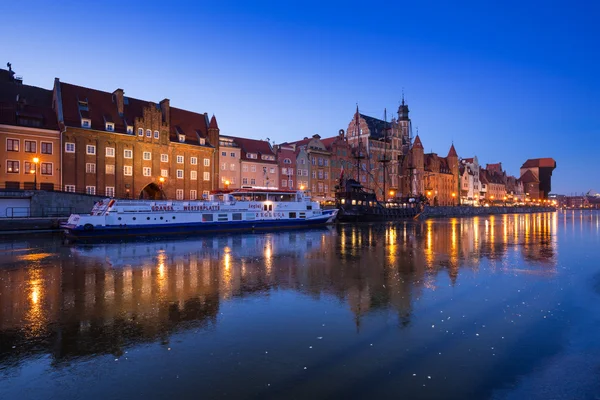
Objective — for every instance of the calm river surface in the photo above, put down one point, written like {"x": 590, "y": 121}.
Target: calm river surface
{"x": 490, "y": 307}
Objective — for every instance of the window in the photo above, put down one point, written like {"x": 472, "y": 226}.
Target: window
{"x": 314, "y": 174}
{"x": 164, "y": 172}
{"x": 232, "y": 167}
{"x": 147, "y": 171}
{"x": 202, "y": 141}
{"x": 181, "y": 140}
{"x": 193, "y": 194}
{"x": 287, "y": 161}
{"x": 30, "y": 147}
{"x": 223, "y": 154}
{"x": 299, "y": 172}
{"x": 205, "y": 194}
{"x": 232, "y": 180}
{"x": 109, "y": 191}
{"x": 179, "y": 174}
{"x": 156, "y": 135}
{"x": 326, "y": 162}
{"x": 179, "y": 159}
{"x": 90, "y": 168}
{"x": 326, "y": 188}
{"x": 86, "y": 123}
{"x": 148, "y": 133}
{"x": 12, "y": 167}
{"x": 12, "y": 144}
{"x": 129, "y": 129}
{"x": 252, "y": 155}
{"x": 253, "y": 168}
{"x": 69, "y": 148}
{"x": 110, "y": 152}
{"x": 305, "y": 172}
{"x": 110, "y": 126}
{"x": 179, "y": 194}
{"x": 244, "y": 168}
{"x": 90, "y": 189}
{"x": 128, "y": 154}
{"x": 320, "y": 174}
{"x": 223, "y": 166}
{"x": 127, "y": 170}
{"x": 326, "y": 174}
{"x": 244, "y": 181}
{"x": 291, "y": 183}
{"x": 90, "y": 149}
{"x": 164, "y": 158}
{"x": 194, "y": 160}
{"x": 29, "y": 167}
{"x": 284, "y": 183}
{"x": 272, "y": 170}
{"x": 253, "y": 181}
{"x": 207, "y": 162}
{"x": 110, "y": 169}
{"x": 232, "y": 155}
{"x": 207, "y": 176}
{"x": 284, "y": 171}
{"x": 194, "y": 175}
{"x": 140, "y": 131}
{"x": 147, "y": 155}
{"x": 70, "y": 188}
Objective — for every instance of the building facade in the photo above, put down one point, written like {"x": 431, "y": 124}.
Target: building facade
{"x": 258, "y": 164}
{"x": 341, "y": 160}
{"x": 119, "y": 146}
{"x": 230, "y": 155}
{"x": 286, "y": 161}
{"x": 536, "y": 175}
{"x": 29, "y": 136}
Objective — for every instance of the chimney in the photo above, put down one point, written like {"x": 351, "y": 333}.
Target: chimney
{"x": 118, "y": 98}
{"x": 166, "y": 111}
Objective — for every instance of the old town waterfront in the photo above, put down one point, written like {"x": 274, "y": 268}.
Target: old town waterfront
{"x": 501, "y": 306}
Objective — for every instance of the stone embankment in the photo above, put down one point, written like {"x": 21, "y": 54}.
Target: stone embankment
{"x": 460, "y": 212}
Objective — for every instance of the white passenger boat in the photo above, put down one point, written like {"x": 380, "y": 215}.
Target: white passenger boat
{"x": 241, "y": 210}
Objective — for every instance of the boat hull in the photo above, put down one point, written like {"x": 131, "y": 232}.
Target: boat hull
{"x": 79, "y": 233}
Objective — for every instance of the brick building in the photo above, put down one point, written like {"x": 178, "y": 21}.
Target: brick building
{"x": 378, "y": 140}
{"x": 536, "y": 175}
{"x": 341, "y": 159}
{"x": 441, "y": 178}
{"x": 124, "y": 147}
{"x": 318, "y": 166}
{"x": 29, "y": 136}
{"x": 286, "y": 161}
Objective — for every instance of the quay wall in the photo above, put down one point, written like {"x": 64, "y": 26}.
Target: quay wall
{"x": 459, "y": 212}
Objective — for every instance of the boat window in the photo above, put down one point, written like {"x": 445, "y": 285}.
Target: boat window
{"x": 292, "y": 215}
{"x": 309, "y": 207}
{"x": 250, "y": 216}
{"x": 353, "y": 202}
{"x": 236, "y": 216}
{"x": 260, "y": 196}
{"x": 223, "y": 217}
{"x": 207, "y": 217}
{"x": 270, "y": 207}
{"x": 302, "y": 215}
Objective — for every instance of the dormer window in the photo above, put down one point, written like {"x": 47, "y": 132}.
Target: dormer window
{"x": 110, "y": 126}
{"x": 130, "y": 129}
{"x": 287, "y": 161}
{"x": 181, "y": 138}
{"x": 202, "y": 141}
{"x": 83, "y": 105}
{"x": 252, "y": 155}
{"x": 86, "y": 123}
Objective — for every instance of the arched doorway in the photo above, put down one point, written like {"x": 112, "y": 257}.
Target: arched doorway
{"x": 152, "y": 192}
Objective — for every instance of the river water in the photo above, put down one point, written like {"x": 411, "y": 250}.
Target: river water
{"x": 501, "y": 307}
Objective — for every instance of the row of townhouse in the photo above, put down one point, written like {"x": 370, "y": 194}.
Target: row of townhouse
{"x": 78, "y": 139}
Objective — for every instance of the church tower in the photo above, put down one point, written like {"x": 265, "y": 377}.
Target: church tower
{"x": 404, "y": 126}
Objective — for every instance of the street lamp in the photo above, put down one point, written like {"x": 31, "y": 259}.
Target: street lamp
{"x": 453, "y": 196}
{"x": 35, "y": 162}
{"x": 392, "y": 194}
{"x": 226, "y": 185}
{"x": 161, "y": 180}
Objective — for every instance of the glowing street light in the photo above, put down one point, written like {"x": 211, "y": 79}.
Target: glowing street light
{"x": 35, "y": 162}
{"x": 227, "y": 184}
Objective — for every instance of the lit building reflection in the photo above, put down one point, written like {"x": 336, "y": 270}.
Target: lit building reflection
{"x": 101, "y": 299}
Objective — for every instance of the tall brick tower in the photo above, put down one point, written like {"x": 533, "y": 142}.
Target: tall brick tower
{"x": 418, "y": 166}
{"x": 404, "y": 126}
{"x": 452, "y": 158}
{"x": 213, "y": 140}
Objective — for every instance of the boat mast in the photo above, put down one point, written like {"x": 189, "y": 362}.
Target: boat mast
{"x": 358, "y": 154}
{"x": 384, "y": 160}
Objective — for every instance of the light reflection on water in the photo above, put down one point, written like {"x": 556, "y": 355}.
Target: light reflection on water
{"x": 420, "y": 293}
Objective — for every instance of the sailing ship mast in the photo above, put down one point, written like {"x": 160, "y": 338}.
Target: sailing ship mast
{"x": 358, "y": 154}
{"x": 384, "y": 160}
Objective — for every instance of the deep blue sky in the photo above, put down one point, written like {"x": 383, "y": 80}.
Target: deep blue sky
{"x": 505, "y": 82}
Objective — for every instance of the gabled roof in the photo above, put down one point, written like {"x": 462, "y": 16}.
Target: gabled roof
{"x": 190, "y": 124}
{"x": 259, "y": 147}
{"x": 376, "y": 126}
{"x": 529, "y": 177}
{"x": 34, "y": 103}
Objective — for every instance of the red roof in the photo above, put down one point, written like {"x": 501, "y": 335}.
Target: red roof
{"x": 101, "y": 107}
{"x": 259, "y": 147}
{"x": 528, "y": 177}
{"x": 452, "y": 152}
{"x": 34, "y": 105}
{"x": 540, "y": 163}
{"x": 418, "y": 143}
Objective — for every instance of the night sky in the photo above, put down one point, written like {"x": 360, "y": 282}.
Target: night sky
{"x": 505, "y": 82}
